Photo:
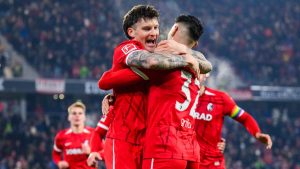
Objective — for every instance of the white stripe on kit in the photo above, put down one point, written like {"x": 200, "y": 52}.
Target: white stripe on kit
{"x": 102, "y": 126}
{"x": 152, "y": 163}
{"x": 114, "y": 156}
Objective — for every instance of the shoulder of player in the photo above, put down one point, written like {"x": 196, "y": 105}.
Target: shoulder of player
{"x": 211, "y": 91}
{"x": 216, "y": 92}
{"x": 89, "y": 129}
{"x": 63, "y": 132}
{"x": 128, "y": 45}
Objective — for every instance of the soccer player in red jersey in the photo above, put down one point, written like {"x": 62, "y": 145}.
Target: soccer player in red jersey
{"x": 170, "y": 141}
{"x": 125, "y": 136}
{"x": 71, "y": 145}
{"x": 213, "y": 106}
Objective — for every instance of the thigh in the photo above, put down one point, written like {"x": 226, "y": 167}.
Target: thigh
{"x": 164, "y": 164}
{"x": 122, "y": 155}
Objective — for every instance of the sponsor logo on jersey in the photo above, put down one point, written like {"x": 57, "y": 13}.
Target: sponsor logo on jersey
{"x": 128, "y": 48}
{"x": 186, "y": 123}
{"x": 74, "y": 151}
{"x": 203, "y": 116}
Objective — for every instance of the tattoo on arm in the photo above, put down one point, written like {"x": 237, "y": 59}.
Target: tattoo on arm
{"x": 204, "y": 64}
{"x": 155, "y": 61}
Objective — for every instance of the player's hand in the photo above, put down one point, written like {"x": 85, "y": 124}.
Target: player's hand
{"x": 193, "y": 64}
{"x": 171, "y": 46}
{"x": 93, "y": 159}
{"x": 106, "y": 102}
{"x": 221, "y": 145}
{"x": 264, "y": 138}
{"x": 63, "y": 165}
{"x": 85, "y": 147}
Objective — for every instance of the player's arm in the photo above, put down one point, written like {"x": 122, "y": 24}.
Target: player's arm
{"x": 248, "y": 122}
{"x": 97, "y": 144}
{"x": 57, "y": 155}
{"x": 204, "y": 64}
{"x": 100, "y": 131}
{"x": 124, "y": 77}
{"x": 103, "y": 124}
{"x": 253, "y": 128}
{"x": 159, "y": 61}
{"x": 171, "y": 46}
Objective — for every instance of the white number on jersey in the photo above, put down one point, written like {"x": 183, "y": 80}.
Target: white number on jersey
{"x": 186, "y": 90}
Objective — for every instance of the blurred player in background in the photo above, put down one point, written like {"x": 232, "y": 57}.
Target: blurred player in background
{"x": 212, "y": 107}
{"x": 71, "y": 145}
{"x": 124, "y": 138}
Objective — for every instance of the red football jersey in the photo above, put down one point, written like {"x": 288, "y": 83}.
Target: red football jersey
{"x": 101, "y": 130}
{"x": 170, "y": 131}
{"x": 70, "y": 144}
{"x": 212, "y": 107}
{"x": 131, "y": 102}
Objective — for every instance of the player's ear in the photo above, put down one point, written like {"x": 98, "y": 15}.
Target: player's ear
{"x": 174, "y": 30}
{"x": 69, "y": 118}
{"x": 131, "y": 32}
{"x": 195, "y": 44}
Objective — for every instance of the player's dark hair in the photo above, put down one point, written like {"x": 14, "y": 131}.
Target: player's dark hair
{"x": 136, "y": 13}
{"x": 193, "y": 25}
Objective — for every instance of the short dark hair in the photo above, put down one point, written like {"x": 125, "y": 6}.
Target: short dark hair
{"x": 136, "y": 13}
{"x": 193, "y": 25}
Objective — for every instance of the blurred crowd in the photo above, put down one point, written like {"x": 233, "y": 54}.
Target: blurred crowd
{"x": 259, "y": 37}
{"x": 26, "y": 143}
{"x": 75, "y": 39}
{"x": 9, "y": 68}
{"x": 62, "y": 39}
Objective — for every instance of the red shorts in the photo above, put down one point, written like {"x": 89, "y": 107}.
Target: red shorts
{"x": 122, "y": 155}
{"x": 169, "y": 164}
{"x": 218, "y": 164}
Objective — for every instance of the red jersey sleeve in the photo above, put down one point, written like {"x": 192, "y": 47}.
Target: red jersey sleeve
{"x": 122, "y": 51}
{"x": 96, "y": 142}
{"x": 117, "y": 79}
{"x": 229, "y": 105}
{"x": 249, "y": 123}
{"x": 57, "y": 149}
{"x": 101, "y": 130}
{"x": 240, "y": 115}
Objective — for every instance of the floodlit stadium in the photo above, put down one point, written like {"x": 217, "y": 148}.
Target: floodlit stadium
{"x": 52, "y": 53}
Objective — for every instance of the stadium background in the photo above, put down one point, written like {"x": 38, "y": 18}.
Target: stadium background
{"x": 53, "y": 52}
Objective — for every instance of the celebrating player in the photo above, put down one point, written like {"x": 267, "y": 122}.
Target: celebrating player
{"x": 73, "y": 142}
{"x": 183, "y": 152}
{"x": 125, "y": 135}
{"x": 213, "y": 106}
{"x": 170, "y": 140}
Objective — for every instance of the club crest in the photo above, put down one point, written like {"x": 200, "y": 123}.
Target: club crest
{"x": 210, "y": 106}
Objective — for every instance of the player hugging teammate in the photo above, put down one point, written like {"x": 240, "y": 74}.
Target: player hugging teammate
{"x": 155, "y": 121}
